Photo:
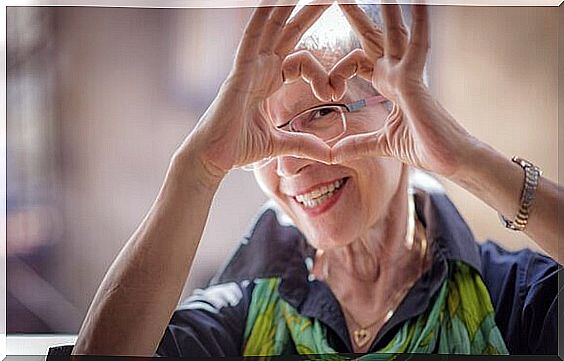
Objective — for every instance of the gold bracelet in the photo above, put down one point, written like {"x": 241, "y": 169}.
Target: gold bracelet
{"x": 532, "y": 177}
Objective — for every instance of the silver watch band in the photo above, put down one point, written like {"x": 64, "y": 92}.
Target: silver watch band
{"x": 532, "y": 177}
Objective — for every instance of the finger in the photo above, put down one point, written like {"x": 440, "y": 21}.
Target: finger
{"x": 304, "y": 65}
{"x": 301, "y": 145}
{"x": 416, "y": 53}
{"x": 297, "y": 27}
{"x": 371, "y": 38}
{"x": 248, "y": 47}
{"x": 274, "y": 26}
{"x": 353, "y": 64}
{"x": 358, "y": 146}
{"x": 395, "y": 33}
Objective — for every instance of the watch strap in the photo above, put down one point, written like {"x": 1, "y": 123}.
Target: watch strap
{"x": 530, "y": 184}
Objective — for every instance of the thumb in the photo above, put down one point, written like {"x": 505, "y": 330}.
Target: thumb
{"x": 301, "y": 145}
{"x": 359, "y": 145}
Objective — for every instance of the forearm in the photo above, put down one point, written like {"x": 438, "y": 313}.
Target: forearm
{"x": 498, "y": 181}
{"x": 141, "y": 289}
{"x": 482, "y": 170}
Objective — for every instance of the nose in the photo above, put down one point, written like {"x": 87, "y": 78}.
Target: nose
{"x": 288, "y": 166}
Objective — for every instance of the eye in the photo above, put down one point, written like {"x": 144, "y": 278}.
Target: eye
{"x": 317, "y": 118}
{"x": 322, "y": 112}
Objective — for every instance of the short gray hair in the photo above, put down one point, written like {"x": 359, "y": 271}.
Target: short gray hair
{"x": 327, "y": 40}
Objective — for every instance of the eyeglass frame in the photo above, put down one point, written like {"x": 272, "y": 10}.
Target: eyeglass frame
{"x": 350, "y": 107}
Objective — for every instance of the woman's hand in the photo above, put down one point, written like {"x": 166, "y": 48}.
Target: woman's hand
{"x": 236, "y": 129}
{"x": 418, "y": 131}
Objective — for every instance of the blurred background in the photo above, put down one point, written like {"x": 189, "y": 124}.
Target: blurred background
{"x": 98, "y": 99}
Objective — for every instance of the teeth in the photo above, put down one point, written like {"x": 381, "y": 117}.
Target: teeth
{"x": 318, "y": 196}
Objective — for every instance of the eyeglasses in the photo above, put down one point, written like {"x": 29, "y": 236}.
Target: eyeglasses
{"x": 328, "y": 122}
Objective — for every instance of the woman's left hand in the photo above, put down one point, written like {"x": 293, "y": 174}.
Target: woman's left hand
{"x": 421, "y": 133}
{"x": 418, "y": 131}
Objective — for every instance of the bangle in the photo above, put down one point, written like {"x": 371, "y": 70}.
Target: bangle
{"x": 532, "y": 176}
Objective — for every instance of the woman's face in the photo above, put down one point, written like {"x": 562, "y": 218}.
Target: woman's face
{"x": 357, "y": 194}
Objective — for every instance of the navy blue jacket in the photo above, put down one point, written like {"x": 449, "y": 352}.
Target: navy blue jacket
{"x": 523, "y": 286}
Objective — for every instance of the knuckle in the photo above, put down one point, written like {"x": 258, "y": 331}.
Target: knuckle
{"x": 295, "y": 27}
{"x": 397, "y": 28}
{"x": 277, "y": 23}
{"x": 368, "y": 33}
{"x": 265, "y": 52}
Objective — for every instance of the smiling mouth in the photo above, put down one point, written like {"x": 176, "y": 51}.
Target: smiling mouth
{"x": 318, "y": 196}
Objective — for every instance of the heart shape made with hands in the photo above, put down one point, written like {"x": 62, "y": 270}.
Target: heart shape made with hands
{"x": 331, "y": 86}
{"x": 326, "y": 85}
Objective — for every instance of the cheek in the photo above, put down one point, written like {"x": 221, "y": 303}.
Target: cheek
{"x": 377, "y": 183}
{"x": 269, "y": 182}
{"x": 370, "y": 184}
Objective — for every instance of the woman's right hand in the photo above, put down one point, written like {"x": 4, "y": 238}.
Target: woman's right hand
{"x": 236, "y": 130}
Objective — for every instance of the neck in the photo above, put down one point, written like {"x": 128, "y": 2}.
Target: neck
{"x": 373, "y": 265}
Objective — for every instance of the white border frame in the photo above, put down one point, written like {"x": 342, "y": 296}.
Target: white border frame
{"x": 37, "y": 342}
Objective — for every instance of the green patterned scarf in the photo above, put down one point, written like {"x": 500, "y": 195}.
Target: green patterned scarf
{"x": 460, "y": 321}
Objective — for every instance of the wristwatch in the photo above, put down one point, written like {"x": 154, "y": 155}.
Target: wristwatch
{"x": 532, "y": 177}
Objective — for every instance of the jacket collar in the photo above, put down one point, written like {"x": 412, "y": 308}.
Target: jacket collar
{"x": 275, "y": 248}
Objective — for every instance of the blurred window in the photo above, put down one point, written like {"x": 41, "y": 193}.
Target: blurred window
{"x": 33, "y": 216}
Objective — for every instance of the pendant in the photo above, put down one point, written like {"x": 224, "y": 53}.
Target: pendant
{"x": 361, "y": 337}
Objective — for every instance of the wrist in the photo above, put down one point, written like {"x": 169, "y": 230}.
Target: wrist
{"x": 412, "y": 90}
{"x": 492, "y": 177}
{"x": 187, "y": 164}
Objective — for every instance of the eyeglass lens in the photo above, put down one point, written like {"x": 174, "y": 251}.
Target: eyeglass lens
{"x": 326, "y": 122}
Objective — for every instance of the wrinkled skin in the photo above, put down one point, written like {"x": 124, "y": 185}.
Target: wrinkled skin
{"x": 419, "y": 132}
{"x": 372, "y": 183}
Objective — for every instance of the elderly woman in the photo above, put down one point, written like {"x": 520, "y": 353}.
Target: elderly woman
{"x": 353, "y": 256}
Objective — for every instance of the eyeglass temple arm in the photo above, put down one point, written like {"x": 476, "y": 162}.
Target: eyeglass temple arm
{"x": 352, "y": 107}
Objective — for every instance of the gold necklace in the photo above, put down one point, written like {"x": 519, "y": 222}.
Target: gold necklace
{"x": 362, "y": 335}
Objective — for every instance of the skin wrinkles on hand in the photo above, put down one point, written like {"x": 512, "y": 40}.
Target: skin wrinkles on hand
{"x": 361, "y": 237}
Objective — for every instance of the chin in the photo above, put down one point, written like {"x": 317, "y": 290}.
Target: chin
{"x": 328, "y": 240}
